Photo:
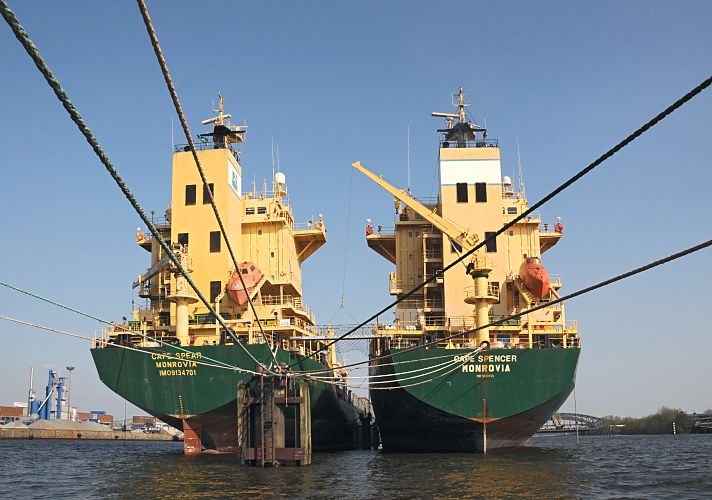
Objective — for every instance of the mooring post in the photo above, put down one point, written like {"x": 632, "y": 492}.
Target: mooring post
{"x": 243, "y": 413}
{"x": 305, "y": 437}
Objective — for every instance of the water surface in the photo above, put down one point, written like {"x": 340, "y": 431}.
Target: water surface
{"x": 551, "y": 467}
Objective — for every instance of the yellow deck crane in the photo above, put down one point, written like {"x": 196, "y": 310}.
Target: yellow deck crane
{"x": 478, "y": 266}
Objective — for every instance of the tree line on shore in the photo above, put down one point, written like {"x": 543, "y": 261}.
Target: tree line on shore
{"x": 660, "y": 422}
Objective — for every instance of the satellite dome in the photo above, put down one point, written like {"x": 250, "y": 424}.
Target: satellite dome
{"x": 506, "y": 180}
{"x": 280, "y": 178}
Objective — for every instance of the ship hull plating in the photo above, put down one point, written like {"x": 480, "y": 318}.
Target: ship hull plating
{"x": 513, "y": 396}
{"x": 205, "y": 397}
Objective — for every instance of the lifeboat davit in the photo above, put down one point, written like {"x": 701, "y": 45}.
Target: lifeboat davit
{"x": 535, "y": 277}
{"x": 251, "y": 275}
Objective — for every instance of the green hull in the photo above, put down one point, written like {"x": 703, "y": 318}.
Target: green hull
{"x": 513, "y": 391}
{"x": 175, "y": 391}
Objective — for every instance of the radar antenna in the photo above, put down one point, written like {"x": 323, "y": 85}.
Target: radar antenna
{"x": 462, "y": 131}
{"x": 223, "y": 133}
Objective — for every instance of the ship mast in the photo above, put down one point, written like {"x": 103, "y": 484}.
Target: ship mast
{"x": 224, "y": 133}
{"x": 461, "y": 105}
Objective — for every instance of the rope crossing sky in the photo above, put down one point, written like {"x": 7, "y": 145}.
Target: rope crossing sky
{"x": 186, "y": 130}
{"x": 37, "y": 58}
{"x": 601, "y": 284}
{"x": 63, "y": 97}
{"x": 576, "y": 177}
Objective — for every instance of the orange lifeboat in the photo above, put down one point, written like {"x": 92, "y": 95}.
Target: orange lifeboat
{"x": 251, "y": 275}
{"x": 535, "y": 277}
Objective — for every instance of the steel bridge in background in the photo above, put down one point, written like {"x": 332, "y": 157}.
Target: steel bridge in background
{"x": 572, "y": 422}
{"x": 703, "y": 423}
{"x": 562, "y": 423}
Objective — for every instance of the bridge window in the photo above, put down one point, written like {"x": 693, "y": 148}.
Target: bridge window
{"x": 250, "y": 211}
{"x": 206, "y": 198}
{"x": 491, "y": 243}
{"x": 480, "y": 192}
{"x": 261, "y": 210}
{"x": 461, "y": 192}
{"x": 512, "y": 210}
{"x": 215, "y": 289}
{"x": 190, "y": 194}
{"x": 214, "y": 241}
{"x": 183, "y": 238}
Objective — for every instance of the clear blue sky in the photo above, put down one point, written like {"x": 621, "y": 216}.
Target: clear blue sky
{"x": 335, "y": 82}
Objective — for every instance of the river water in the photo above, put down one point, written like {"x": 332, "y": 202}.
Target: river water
{"x": 550, "y": 467}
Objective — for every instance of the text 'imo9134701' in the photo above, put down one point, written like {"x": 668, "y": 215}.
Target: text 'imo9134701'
{"x": 208, "y": 370}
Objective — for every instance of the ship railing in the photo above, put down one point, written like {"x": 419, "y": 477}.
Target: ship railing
{"x": 395, "y": 285}
{"x": 534, "y": 216}
{"x": 475, "y": 143}
{"x": 433, "y": 303}
{"x": 555, "y": 279}
{"x": 428, "y": 200}
{"x": 421, "y": 303}
{"x": 384, "y": 230}
{"x": 492, "y": 292}
{"x": 433, "y": 254}
{"x": 510, "y": 322}
{"x": 309, "y": 226}
{"x": 411, "y": 304}
{"x": 261, "y": 195}
{"x": 400, "y": 343}
{"x": 287, "y": 300}
{"x": 202, "y": 146}
{"x": 548, "y": 228}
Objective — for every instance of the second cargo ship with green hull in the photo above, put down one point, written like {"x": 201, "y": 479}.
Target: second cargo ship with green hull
{"x": 453, "y": 372}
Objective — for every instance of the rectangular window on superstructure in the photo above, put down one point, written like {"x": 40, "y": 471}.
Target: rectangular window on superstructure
{"x": 461, "y": 192}
{"x": 214, "y": 241}
{"x": 250, "y": 211}
{"x": 215, "y": 290}
{"x": 491, "y": 243}
{"x": 261, "y": 210}
{"x": 512, "y": 210}
{"x": 183, "y": 238}
{"x": 480, "y": 192}
{"x": 206, "y": 198}
{"x": 190, "y": 194}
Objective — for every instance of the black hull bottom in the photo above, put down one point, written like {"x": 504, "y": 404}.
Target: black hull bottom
{"x": 218, "y": 429}
{"x": 407, "y": 424}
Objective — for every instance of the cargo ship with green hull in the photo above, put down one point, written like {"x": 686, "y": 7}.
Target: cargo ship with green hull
{"x": 453, "y": 372}
{"x": 174, "y": 360}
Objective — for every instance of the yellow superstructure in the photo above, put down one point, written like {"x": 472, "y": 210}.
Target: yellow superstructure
{"x": 474, "y": 201}
{"x": 261, "y": 229}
